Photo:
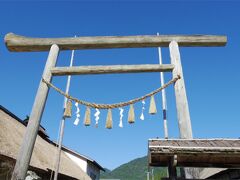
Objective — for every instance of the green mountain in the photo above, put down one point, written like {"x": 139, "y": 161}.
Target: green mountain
{"x": 134, "y": 170}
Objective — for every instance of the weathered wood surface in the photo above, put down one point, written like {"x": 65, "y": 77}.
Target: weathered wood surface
{"x": 196, "y": 152}
{"x": 29, "y": 139}
{"x": 20, "y": 43}
{"x": 184, "y": 121}
{"x": 191, "y": 150}
{"x": 196, "y": 142}
{"x": 78, "y": 70}
{"x": 172, "y": 171}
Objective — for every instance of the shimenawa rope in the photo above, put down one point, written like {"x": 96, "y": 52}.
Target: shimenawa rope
{"x": 116, "y": 105}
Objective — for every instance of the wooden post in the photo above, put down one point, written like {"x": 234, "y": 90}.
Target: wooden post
{"x": 184, "y": 121}
{"x": 172, "y": 168}
{"x": 30, "y": 136}
{"x": 183, "y": 114}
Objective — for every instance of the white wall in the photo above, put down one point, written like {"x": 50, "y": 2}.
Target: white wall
{"x": 89, "y": 168}
{"x": 80, "y": 162}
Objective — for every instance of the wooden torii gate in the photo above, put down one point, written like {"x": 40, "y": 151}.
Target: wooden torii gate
{"x": 54, "y": 45}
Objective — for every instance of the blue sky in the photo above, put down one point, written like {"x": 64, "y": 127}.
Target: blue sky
{"x": 211, "y": 74}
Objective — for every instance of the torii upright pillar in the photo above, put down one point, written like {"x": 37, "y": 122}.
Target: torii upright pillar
{"x": 184, "y": 121}
{"x": 183, "y": 115}
{"x": 26, "y": 149}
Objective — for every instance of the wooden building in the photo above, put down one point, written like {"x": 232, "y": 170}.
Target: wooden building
{"x": 203, "y": 154}
{"x": 42, "y": 162}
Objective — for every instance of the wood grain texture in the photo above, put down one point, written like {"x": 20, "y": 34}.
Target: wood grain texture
{"x": 195, "y": 152}
{"x": 184, "y": 121}
{"x": 78, "y": 70}
{"x": 20, "y": 43}
{"x": 29, "y": 139}
{"x": 172, "y": 171}
{"x": 183, "y": 114}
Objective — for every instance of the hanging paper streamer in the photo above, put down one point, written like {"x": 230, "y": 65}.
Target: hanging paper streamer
{"x": 109, "y": 119}
{"x": 121, "y": 117}
{"x": 143, "y": 108}
{"x": 87, "y": 118}
{"x": 68, "y": 109}
{"x": 131, "y": 114}
{"x": 77, "y": 115}
{"x": 97, "y": 113}
{"x": 152, "y": 107}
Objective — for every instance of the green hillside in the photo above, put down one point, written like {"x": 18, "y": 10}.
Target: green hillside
{"x": 134, "y": 170}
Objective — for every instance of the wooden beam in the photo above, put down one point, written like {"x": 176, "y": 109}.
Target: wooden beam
{"x": 195, "y": 152}
{"x": 30, "y": 136}
{"x": 61, "y": 71}
{"x": 20, "y": 43}
{"x": 168, "y": 150}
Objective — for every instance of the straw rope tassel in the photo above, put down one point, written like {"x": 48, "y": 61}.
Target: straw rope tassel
{"x": 152, "y": 107}
{"x": 109, "y": 119}
{"x": 131, "y": 114}
{"x": 68, "y": 109}
{"x": 87, "y": 118}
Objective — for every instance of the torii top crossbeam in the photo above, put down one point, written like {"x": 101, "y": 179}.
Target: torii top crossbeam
{"x": 20, "y": 43}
